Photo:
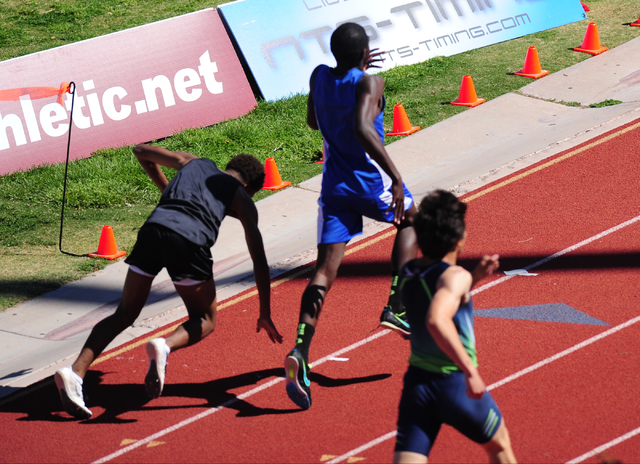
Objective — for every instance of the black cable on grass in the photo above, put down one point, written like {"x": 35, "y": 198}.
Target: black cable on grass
{"x": 72, "y": 91}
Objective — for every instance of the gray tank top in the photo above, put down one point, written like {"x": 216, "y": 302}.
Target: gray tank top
{"x": 196, "y": 201}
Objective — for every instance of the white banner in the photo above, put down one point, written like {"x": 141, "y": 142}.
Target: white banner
{"x": 133, "y": 86}
{"x": 283, "y": 41}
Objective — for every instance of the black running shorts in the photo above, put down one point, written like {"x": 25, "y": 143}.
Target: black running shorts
{"x": 158, "y": 246}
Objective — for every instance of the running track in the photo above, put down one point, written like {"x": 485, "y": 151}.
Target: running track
{"x": 568, "y": 390}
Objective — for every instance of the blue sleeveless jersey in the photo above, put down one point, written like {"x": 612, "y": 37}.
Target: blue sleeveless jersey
{"x": 417, "y": 287}
{"x": 347, "y": 170}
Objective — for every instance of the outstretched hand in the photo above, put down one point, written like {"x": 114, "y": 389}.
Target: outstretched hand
{"x": 487, "y": 266}
{"x": 272, "y": 332}
{"x": 375, "y": 56}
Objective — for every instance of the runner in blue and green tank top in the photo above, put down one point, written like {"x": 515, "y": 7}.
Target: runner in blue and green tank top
{"x": 442, "y": 384}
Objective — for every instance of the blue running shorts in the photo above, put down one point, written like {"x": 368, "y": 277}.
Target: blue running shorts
{"x": 430, "y": 399}
{"x": 340, "y": 217}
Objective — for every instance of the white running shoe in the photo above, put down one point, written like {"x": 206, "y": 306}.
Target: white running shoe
{"x": 158, "y": 351}
{"x": 70, "y": 390}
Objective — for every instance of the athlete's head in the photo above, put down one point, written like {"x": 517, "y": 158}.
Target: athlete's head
{"x": 250, "y": 169}
{"x": 348, "y": 44}
{"x": 439, "y": 223}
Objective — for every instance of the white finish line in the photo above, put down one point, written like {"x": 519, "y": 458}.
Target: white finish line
{"x": 392, "y": 434}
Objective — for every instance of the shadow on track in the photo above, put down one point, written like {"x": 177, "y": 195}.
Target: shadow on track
{"x": 41, "y": 402}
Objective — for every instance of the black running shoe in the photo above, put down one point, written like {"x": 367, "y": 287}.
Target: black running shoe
{"x": 295, "y": 370}
{"x": 395, "y": 321}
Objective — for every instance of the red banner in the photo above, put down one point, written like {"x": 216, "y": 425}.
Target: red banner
{"x": 132, "y": 86}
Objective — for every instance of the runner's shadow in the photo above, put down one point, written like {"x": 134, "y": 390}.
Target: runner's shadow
{"x": 119, "y": 399}
{"x": 42, "y": 402}
{"x": 328, "y": 382}
{"x": 217, "y": 392}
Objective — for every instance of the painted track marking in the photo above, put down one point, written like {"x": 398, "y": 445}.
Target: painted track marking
{"x": 380, "y": 334}
{"x": 604, "y": 447}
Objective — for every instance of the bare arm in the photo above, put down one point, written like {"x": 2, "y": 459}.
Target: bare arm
{"x": 453, "y": 288}
{"x": 243, "y": 208}
{"x": 151, "y": 158}
{"x": 311, "y": 112}
{"x": 369, "y": 97}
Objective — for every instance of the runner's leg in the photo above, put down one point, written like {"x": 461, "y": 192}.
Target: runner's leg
{"x": 296, "y": 364}
{"x": 329, "y": 259}
{"x": 405, "y": 245}
{"x": 201, "y": 303}
{"x": 134, "y": 296}
{"x": 408, "y": 457}
{"x": 405, "y": 248}
{"x": 499, "y": 447}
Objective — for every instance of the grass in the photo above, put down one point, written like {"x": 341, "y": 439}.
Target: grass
{"x": 602, "y": 104}
{"x": 110, "y": 188}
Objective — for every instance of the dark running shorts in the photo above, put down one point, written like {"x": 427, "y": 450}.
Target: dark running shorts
{"x": 430, "y": 399}
{"x": 158, "y": 247}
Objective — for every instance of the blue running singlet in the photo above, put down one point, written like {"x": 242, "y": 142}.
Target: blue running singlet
{"x": 348, "y": 169}
{"x": 353, "y": 184}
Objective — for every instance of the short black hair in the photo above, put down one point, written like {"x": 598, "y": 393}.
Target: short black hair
{"x": 439, "y": 223}
{"x": 250, "y": 168}
{"x": 348, "y": 43}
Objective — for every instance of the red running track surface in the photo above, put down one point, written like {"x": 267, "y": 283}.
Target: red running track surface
{"x": 224, "y": 400}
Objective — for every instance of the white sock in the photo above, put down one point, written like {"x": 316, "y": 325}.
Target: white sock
{"x": 166, "y": 347}
{"x": 76, "y": 376}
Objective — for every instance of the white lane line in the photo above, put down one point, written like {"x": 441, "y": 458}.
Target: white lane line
{"x": 364, "y": 447}
{"x": 244, "y": 395}
{"x": 606, "y": 446}
{"x": 349, "y": 348}
{"x": 558, "y": 254}
{"x": 564, "y": 353}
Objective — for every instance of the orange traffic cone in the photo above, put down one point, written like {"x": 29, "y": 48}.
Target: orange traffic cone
{"x": 107, "y": 248}
{"x": 591, "y": 42}
{"x": 401, "y": 124}
{"x": 585, "y": 7}
{"x": 532, "y": 65}
{"x": 272, "y": 180}
{"x": 468, "y": 96}
{"x": 636, "y": 23}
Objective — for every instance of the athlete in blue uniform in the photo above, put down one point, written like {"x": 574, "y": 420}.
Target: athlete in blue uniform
{"x": 179, "y": 235}
{"x": 359, "y": 179}
{"x": 442, "y": 384}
